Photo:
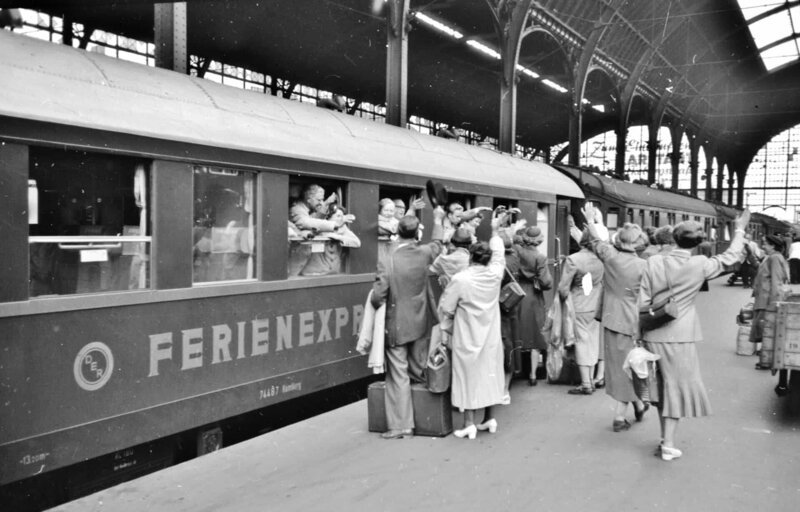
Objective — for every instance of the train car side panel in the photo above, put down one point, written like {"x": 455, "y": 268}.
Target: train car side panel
{"x": 62, "y": 372}
{"x": 14, "y": 212}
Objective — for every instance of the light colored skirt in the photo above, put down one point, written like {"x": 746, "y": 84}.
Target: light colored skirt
{"x": 618, "y": 385}
{"x": 681, "y": 388}
{"x": 587, "y": 339}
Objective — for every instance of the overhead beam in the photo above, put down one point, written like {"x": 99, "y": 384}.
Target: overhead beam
{"x": 170, "y": 37}
{"x": 397, "y": 63}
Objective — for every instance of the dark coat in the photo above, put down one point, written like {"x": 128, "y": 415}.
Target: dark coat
{"x": 402, "y": 283}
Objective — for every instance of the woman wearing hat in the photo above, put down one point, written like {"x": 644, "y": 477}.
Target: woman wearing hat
{"x": 534, "y": 278}
{"x": 773, "y": 272}
{"x": 620, "y": 311}
{"x": 680, "y": 275}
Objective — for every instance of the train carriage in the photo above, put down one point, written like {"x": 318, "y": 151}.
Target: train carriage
{"x": 150, "y": 282}
{"x": 622, "y": 202}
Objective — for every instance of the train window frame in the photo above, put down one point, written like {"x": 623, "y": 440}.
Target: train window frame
{"x": 385, "y": 236}
{"x": 612, "y": 218}
{"x": 317, "y": 252}
{"x": 220, "y": 249}
{"x": 76, "y": 192}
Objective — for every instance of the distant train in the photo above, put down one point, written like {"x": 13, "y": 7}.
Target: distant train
{"x": 150, "y": 282}
{"x": 622, "y": 201}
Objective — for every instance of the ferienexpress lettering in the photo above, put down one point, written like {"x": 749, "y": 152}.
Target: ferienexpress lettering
{"x": 255, "y": 335}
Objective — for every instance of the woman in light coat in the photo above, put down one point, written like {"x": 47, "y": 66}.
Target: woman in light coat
{"x": 469, "y": 315}
{"x": 681, "y": 275}
{"x": 582, "y": 278}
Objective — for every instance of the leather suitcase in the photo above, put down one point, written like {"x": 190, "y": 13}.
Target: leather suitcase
{"x": 432, "y": 411}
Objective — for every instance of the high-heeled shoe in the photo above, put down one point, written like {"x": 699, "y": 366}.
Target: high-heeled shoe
{"x": 470, "y": 431}
{"x": 668, "y": 453}
{"x": 490, "y": 425}
{"x": 532, "y": 381}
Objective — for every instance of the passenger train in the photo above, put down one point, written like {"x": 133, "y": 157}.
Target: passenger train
{"x": 151, "y": 283}
{"x": 622, "y": 202}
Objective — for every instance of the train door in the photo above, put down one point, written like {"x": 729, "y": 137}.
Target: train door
{"x": 560, "y": 239}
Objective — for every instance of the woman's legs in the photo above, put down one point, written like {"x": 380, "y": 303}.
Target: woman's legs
{"x": 535, "y": 356}
{"x": 507, "y": 383}
{"x": 670, "y": 425}
{"x": 586, "y": 376}
{"x": 488, "y": 414}
{"x": 470, "y": 429}
{"x": 600, "y": 373}
{"x": 469, "y": 417}
{"x": 620, "y": 408}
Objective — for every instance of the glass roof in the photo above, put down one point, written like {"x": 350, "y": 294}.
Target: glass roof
{"x": 774, "y": 25}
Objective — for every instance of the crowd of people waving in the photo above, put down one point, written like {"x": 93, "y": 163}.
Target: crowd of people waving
{"x": 607, "y": 280}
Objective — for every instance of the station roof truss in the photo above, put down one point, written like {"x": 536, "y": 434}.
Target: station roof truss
{"x": 690, "y": 63}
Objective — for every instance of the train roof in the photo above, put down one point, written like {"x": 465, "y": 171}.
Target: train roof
{"x": 774, "y": 222}
{"x": 633, "y": 193}
{"x": 53, "y": 83}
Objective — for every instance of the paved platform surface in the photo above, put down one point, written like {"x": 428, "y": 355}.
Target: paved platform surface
{"x": 552, "y": 452}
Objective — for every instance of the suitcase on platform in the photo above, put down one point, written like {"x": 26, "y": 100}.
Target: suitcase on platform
{"x": 743, "y": 345}
{"x": 433, "y": 414}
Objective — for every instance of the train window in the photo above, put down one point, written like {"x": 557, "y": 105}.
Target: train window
{"x": 319, "y": 236}
{"x": 612, "y": 219}
{"x": 224, "y": 212}
{"x": 88, "y": 223}
{"x": 394, "y": 204}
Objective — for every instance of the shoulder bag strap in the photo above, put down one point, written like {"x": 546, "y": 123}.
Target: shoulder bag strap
{"x": 510, "y": 275}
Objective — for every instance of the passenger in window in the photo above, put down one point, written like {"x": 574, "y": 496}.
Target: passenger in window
{"x": 330, "y": 260}
{"x": 452, "y": 220}
{"x": 399, "y": 209}
{"x": 387, "y": 221}
{"x": 417, "y": 203}
{"x": 311, "y": 211}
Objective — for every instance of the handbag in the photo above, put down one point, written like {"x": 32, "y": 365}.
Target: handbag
{"x": 439, "y": 368}
{"x": 653, "y": 316}
{"x": 510, "y": 294}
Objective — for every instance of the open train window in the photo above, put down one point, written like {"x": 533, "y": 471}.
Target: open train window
{"x": 88, "y": 222}
{"x": 223, "y": 231}
{"x": 612, "y": 219}
{"x": 319, "y": 236}
{"x": 393, "y": 204}
{"x": 543, "y": 223}
{"x": 456, "y": 205}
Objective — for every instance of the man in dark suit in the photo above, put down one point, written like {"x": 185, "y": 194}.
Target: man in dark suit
{"x": 402, "y": 283}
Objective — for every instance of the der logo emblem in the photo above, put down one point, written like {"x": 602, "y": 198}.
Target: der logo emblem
{"x": 93, "y": 366}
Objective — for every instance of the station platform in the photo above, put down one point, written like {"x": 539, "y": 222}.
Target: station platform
{"x": 552, "y": 452}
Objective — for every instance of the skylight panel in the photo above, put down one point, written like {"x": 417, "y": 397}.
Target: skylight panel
{"x": 794, "y": 12}
{"x": 777, "y": 56}
{"x": 770, "y": 29}
{"x": 752, "y": 8}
